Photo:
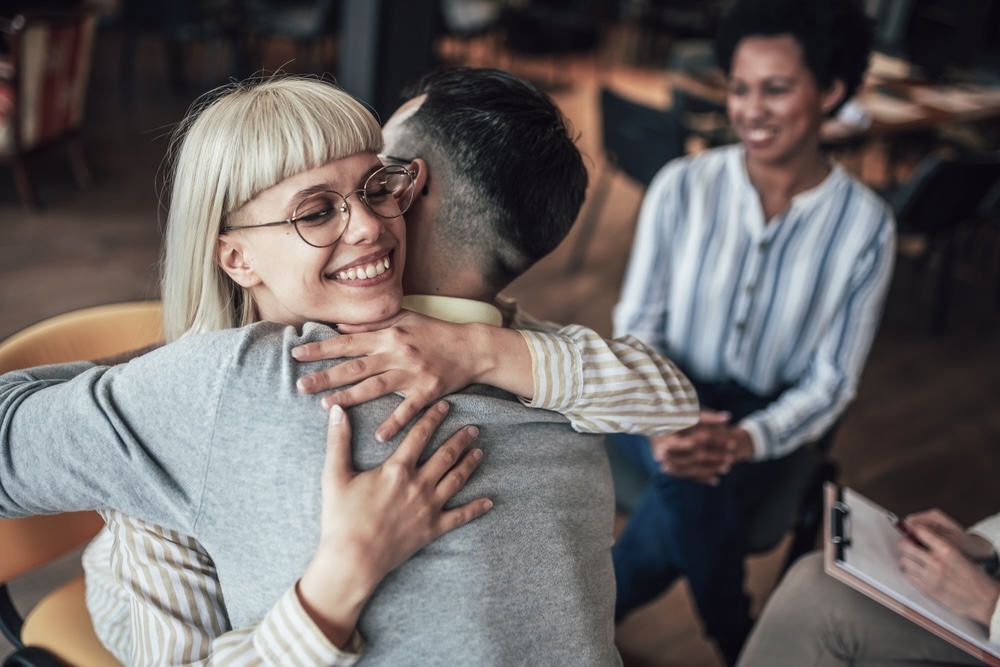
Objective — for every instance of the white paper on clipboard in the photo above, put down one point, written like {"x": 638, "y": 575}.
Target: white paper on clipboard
{"x": 869, "y": 562}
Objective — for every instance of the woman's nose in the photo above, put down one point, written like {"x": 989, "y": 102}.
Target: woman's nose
{"x": 363, "y": 226}
{"x": 754, "y": 106}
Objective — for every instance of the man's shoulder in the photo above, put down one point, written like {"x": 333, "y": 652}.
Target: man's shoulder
{"x": 257, "y": 339}
{"x": 262, "y": 349}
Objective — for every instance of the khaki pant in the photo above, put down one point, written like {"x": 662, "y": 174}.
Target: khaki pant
{"x": 813, "y": 620}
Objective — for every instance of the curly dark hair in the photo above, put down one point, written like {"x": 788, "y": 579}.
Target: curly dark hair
{"x": 835, "y": 35}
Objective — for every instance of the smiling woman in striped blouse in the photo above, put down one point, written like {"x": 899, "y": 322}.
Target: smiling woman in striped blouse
{"x": 761, "y": 269}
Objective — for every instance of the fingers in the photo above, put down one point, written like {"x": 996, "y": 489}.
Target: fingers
{"x": 672, "y": 447}
{"x": 332, "y": 348}
{"x": 707, "y": 416}
{"x": 401, "y": 416}
{"x": 420, "y": 434}
{"x": 455, "y": 479}
{"x": 372, "y": 388}
{"x": 938, "y": 521}
{"x": 348, "y": 372}
{"x": 459, "y": 516}
{"x": 337, "y": 467}
{"x": 448, "y": 458}
{"x": 933, "y": 540}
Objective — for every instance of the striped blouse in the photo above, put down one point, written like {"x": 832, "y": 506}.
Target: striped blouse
{"x": 160, "y": 602}
{"x": 788, "y": 306}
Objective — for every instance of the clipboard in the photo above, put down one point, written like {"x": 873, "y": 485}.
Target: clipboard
{"x": 860, "y": 550}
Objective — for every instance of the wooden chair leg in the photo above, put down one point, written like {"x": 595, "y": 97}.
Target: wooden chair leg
{"x": 25, "y": 188}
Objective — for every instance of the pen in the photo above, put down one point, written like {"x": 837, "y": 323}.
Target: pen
{"x": 901, "y": 526}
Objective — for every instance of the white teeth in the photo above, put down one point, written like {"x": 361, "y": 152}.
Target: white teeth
{"x": 759, "y": 134}
{"x": 376, "y": 268}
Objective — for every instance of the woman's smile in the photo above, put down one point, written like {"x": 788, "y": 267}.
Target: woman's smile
{"x": 365, "y": 271}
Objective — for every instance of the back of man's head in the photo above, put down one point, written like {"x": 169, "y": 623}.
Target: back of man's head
{"x": 511, "y": 178}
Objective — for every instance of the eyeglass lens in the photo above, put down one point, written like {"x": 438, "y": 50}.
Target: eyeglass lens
{"x": 322, "y": 218}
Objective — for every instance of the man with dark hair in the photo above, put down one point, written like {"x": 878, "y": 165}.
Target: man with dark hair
{"x": 508, "y": 180}
{"x": 498, "y": 181}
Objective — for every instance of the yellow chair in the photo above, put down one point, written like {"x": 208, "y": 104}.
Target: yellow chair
{"x": 59, "y": 626}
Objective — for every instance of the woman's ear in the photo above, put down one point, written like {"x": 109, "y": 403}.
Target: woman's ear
{"x": 833, "y": 96}
{"x": 233, "y": 261}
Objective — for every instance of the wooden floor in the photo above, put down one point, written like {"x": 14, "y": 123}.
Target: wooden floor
{"x": 924, "y": 430}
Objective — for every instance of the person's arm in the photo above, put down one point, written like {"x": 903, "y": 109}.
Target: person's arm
{"x": 178, "y": 611}
{"x": 601, "y": 386}
{"x": 806, "y": 410}
{"x": 125, "y": 357}
{"x": 644, "y": 300}
{"x": 178, "y": 606}
{"x": 605, "y": 386}
{"x": 941, "y": 571}
{"x": 56, "y": 421}
{"x": 988, "y": 533}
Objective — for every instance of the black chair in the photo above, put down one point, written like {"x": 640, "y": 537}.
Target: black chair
{"x": 941, "y": 196}
{"x": 179, "y": 24}
{"x": 309, "y": 24}
{"x": 552, "y": 29}
{"x": 636, "y": 140}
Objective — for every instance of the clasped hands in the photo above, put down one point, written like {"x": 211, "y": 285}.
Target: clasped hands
{"x": 703, "y": 452}
{"x": 947, "y": 569}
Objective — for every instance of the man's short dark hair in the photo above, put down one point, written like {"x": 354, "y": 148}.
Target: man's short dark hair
{"x": 504, "y": 153}
{"x": 835, "y": 35}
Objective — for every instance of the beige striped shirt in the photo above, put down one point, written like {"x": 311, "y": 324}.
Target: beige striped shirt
{"x": 159, "y": 602}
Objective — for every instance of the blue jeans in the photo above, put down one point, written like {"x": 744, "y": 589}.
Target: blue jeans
{"x": 694, "y": 530}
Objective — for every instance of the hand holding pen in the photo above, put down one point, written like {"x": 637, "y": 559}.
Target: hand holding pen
{"x": 900, "y": 524}
{"x": 941, "y": 571}
{"x": 972, "y": 546}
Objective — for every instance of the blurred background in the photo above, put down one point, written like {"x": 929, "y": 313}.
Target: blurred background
{"x": 81, "y": 218}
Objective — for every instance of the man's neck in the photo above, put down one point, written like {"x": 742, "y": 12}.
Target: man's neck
{"x": 455, "y": 309}
{"x": 459, "y": 283}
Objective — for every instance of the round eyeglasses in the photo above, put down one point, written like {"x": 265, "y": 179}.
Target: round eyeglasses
{"x": 322, "y": 218}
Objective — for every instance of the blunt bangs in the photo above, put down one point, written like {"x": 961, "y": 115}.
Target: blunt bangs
{"x": 283, "y": 127}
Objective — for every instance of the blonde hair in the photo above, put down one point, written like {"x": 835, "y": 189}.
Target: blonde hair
{"x": 235, "y": 142}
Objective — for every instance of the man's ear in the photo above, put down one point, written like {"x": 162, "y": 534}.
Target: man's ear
{"x": 421, "y": 179}
{"x": 231, "y": 258}
{"x": 833, "y": 95}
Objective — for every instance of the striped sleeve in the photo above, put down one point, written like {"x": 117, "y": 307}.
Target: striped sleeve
{"x": 989, "y": 530}
{"x": 178, "y": 614}
{"x": 810, "y": 407}
{"x": 601, "y": 386}
{"x": 107, "y": 601}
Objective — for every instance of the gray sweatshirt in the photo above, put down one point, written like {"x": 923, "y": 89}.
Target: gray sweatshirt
{"x": 210, "y": 437}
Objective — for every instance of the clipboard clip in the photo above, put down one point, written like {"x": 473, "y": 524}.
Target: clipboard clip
{"x": 840, "y": 515}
